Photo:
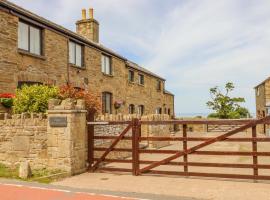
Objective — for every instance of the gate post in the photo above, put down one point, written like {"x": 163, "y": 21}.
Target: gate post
{"x": 90, "y": 138}
{"x": 135, "y": 147}
{"x": 185, "y": 147}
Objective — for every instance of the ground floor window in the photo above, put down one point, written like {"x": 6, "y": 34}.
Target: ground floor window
{"x": 28, "y": 83}
{"x": 107, "y": 102}
{"x": 169, "y": 111}
{"x": 141, "y": 109}
{"x": 158, "y": 110}
{"x": 131, "y": 109}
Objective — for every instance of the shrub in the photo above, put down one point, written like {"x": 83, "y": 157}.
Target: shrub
{"x": 6, "y": 99}
{"x": 34, "y": 98}
{"x": 92, "y": 100}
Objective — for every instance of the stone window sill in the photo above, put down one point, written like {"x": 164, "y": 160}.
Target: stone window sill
{"x": 109, "y": 75}
{"x": 142, "y": 85}
{"x": 23, "y": 52}
{"x": 77, "y": 67}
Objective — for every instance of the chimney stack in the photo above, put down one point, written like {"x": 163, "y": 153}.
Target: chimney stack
{"x": 91, "y": 13}
{"x": 84, "y": 14}
{"x": 88, "y": 27}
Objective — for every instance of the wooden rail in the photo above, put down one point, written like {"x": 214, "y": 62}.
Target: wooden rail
{"x": 135, "y": 161}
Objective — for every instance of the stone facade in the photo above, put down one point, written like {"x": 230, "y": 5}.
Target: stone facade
{"x": 53, "y": 67}
{"x": 262, "y": 93}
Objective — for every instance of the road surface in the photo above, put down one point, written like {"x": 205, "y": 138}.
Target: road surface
{"x": 22, "y": 192}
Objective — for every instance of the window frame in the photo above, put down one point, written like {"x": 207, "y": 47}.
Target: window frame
{"x": 131, "y": 78}
{"x": 141, "y": 110}
{"x": 141, "y": 81}
{"x": 131, "y": 109}
{"x": 104, "y": 68}
{"x": 104, "y": 103}
{"x": 75, "y": 54}
{"x": 159, "y": 85}
{"x": 159, "y": 110}
{"x": 41, "y": 35}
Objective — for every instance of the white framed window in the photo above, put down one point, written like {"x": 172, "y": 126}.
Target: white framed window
{"x": 130, "y": 75}
{"x": 141, "y": 109}
{"x": 158, "y": 110}
{"x": 106, "y": 67}
{"x": 141, "y": 79}
{"x": 75, "y": 54}
{"x": 131, "y": 109}
{"x": 107, "y": 102}
{"x": 258, "y": 91}
{"x": 29, "y": 38}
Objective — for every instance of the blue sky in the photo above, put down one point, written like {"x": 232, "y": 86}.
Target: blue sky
{"x": 194, "y": 44}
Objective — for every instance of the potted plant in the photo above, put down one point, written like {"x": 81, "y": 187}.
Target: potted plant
{"x": 6, "y": 99}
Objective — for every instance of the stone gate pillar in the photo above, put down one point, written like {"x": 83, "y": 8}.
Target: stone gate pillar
{"x": 67, "y": 136}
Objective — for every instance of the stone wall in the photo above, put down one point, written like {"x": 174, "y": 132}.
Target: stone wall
{"x": 46, "y": 142}
{"x": 22, "y": 138}
{"x": 115, "y": 130}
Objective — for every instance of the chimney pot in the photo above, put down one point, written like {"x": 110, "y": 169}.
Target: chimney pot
{"x": 83, "y": 13}
{"x": 91, "y": 13}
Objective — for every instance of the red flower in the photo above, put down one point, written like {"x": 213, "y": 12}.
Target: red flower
{"x": 7, "y": 95}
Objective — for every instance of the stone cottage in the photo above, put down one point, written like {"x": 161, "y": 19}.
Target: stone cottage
{"x": 262, "y": 93}
{"x": 34, "y": 50}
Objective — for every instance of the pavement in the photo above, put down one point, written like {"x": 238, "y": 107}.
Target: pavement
{"x": 20, "y": 190}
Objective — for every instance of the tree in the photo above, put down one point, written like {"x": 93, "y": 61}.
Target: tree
{"x": 226, "y": 107}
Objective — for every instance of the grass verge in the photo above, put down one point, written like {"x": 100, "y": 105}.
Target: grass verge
{"x": 38, "y": 175}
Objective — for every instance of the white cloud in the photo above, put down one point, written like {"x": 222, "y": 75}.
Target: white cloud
{"x": 193, "y": 44}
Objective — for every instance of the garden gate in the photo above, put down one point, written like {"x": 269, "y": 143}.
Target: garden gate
{"x": 148, "y": 166}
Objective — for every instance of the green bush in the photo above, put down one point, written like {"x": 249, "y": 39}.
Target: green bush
{"x": 33, "y": 98}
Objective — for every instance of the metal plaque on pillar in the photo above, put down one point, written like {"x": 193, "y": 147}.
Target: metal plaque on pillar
{"x": 58, "y": 121}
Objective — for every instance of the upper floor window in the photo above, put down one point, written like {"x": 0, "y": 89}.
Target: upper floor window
{"x": 130, "y": 76}
{"x": 141, "y": 79}
{"x": 75, "y": 54}
{"x": 107, "y": 102}
{"x": 106, "y": 66}
{"x": 158, "y": 85}
{"x": 29, "y": 38}
{"x": 159, "y": 111}
{"x": 141, "y": 109}
{"x": 131, "y": 109}
{"x": 169, "y": 111}
{"x": 258, "y": 91}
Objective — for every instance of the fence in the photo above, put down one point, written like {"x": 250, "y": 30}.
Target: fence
{"x": 141, "y": 166}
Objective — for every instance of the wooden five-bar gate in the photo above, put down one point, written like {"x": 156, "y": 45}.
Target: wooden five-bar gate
{"x": 149, "y": 166}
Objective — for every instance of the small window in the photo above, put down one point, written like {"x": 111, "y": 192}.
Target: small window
{"x": 158, "y": 85}
{"x": 258, "y": 91}
{"x": 141, "y": 79}
{"x": 75, "y": 54}
{"x": 107, "y": 102}
{"x": 29, "y": 38}
{"x": 28, "y": 83}
{"x": 159, "y": 111}
{"x": 106, "y": 67}
{"x": 141, "y": 109}
{"x": 169, "y": 111}
{"x": 131, "y": 109}
{"x": 130, "y": 76}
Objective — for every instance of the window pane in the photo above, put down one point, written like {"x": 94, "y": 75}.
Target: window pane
{"x": 108, "y": 70}
{"x": 103, "y": 63}
{"x": 78, "y": 55}
{"x": 34, "y": 40}
{"x": 23, "y": 36}
{"x": 108, "y": 103}
{"x": 72, "y": 52}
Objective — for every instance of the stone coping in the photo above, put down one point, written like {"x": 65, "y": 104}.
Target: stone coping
{"x": 65, "y": 111}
